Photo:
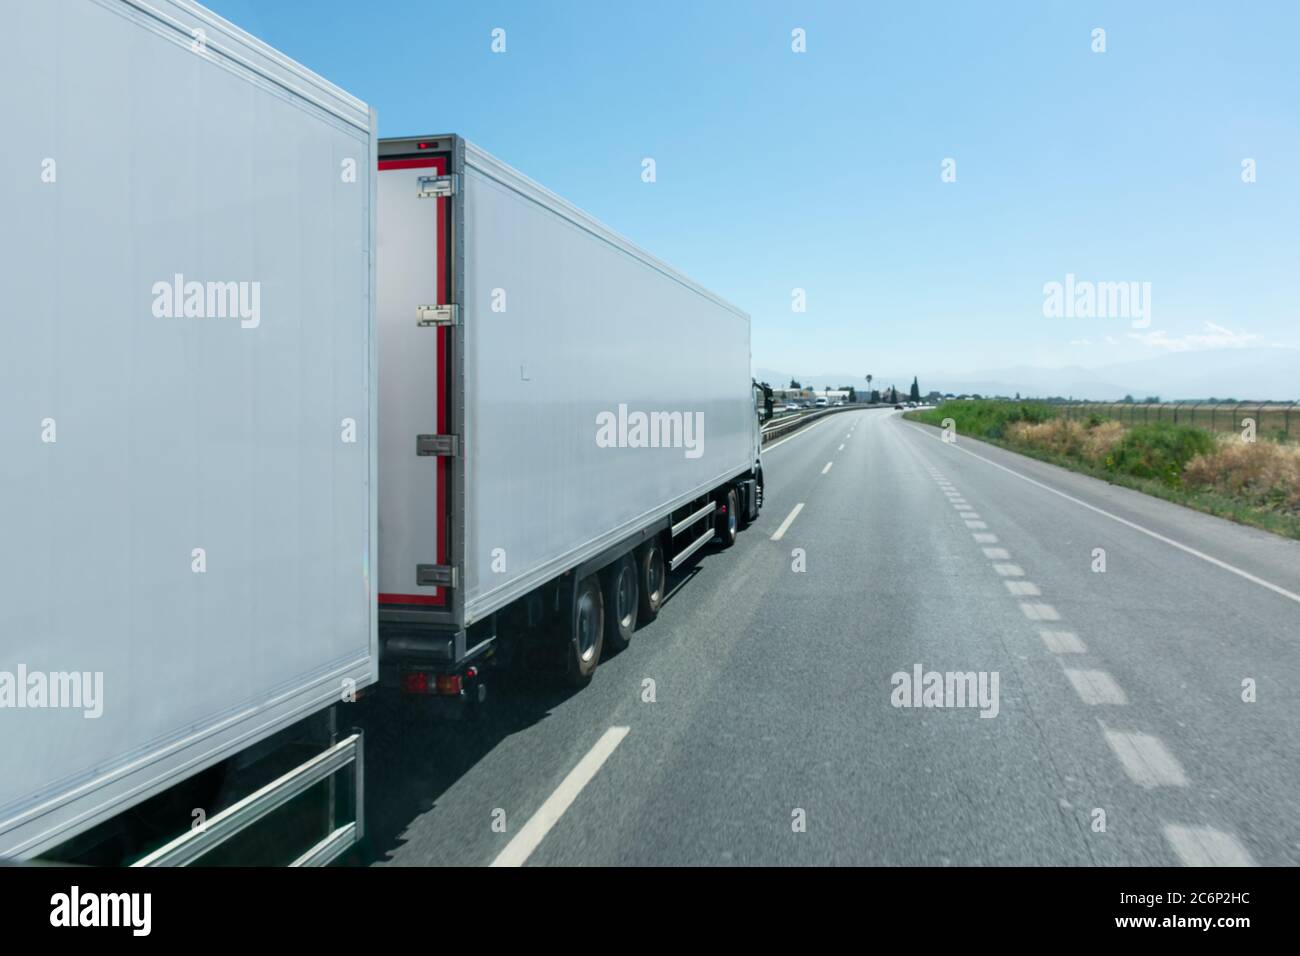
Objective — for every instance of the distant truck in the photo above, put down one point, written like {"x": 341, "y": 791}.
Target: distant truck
{"x": 563, "y": 420}
{"x": 187, "y": 407}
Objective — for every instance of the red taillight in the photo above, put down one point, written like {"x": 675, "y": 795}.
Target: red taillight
{"x": 423, "y": 682}
{"x": 415, "y": 682}
{"x": 423, "y": 145}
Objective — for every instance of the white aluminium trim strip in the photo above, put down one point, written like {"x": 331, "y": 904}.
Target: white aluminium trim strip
{"x": 238, "y": 36}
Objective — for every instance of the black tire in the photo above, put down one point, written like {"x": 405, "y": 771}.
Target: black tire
{"x": 652, "y": 580}
{"x": 728, "y": 523}
{"x": 586, "y": 633}
{"x": 622, "y": 599}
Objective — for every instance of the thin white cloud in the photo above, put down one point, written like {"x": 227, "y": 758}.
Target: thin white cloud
{"x": 1079, "y": 342}
{"x": 1214, "y": 337}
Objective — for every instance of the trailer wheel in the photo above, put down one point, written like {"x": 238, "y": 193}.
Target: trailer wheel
{"x": 586, "y": 632}
{"x": 621, "y": 600}
{"x": 652, "y": 580}
{"x": 729, "y": 521}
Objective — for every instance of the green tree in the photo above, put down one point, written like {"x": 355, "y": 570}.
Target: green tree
{"x": 915, "y": 395}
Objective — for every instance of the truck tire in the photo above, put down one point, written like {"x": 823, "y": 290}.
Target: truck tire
{"x": 622, "y": 597}
{"x": 728, "y": 524}
{"x": 652, "y": 580}
{"x": 586, "y": 632}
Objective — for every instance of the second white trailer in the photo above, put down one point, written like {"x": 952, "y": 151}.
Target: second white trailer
{"x": 562, "y": 418}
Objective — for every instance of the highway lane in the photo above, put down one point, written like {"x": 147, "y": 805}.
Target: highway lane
{"x": 1176, "y": 634}
{"x": 772, "y": 689}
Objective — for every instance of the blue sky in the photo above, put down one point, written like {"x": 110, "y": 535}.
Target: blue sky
{"x": 821, "y": 170}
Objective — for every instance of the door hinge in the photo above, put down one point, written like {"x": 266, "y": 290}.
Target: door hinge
{"x": 443, "y": 446}
{"x": 435, "y": 315}
{"x": 435, "y": 575}
{"x": 438, "y": 187}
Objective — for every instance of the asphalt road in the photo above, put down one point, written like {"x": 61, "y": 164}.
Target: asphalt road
{"x": 773, "y": 736}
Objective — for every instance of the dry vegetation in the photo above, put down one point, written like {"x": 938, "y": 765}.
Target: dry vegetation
{"x": 1256, "y": 482}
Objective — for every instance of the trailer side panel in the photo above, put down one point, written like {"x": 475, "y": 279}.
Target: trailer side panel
{"x": 186, "y": 400}
{"x": 602, "y": 387}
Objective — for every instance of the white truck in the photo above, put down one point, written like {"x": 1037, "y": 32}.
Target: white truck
{"x": 563, "y": 419}
{"x": 187, "y": 418}
{"x": 256, "y": 453}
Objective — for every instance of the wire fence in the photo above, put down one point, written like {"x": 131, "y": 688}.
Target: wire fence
{"x": 1271, "y": 419}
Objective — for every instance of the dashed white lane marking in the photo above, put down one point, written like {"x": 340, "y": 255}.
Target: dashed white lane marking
{"x": 789, "y": 520}
{"x": 1096, "y": 687}
{"x": 1233, "y": 569}
{"x": 996, "y": 554}
{"x": 1063, "y": 642}
{"x": 1146, "y": 760}
{"x": 1023, "y": 588}
{"x": 1007, "y": 570}
{"x": 968, "y": 515}
{"x": 828, "y": 467}
{"x": 548, "y": 814}
{"x": 976, "y": 525}
{"x": 841, "y": 448}
{"x": 1037, "y": 611}
{"x": 985, "y": 538}
{"x": 1206, "y": 846}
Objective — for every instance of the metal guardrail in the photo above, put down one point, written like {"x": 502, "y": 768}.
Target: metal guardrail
{"x": 785, "y": 424}
{"x": 1271, "y": 418}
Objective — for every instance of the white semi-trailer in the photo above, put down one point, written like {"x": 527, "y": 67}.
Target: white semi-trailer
{"x": 213, "y": 538}
{"x": 563, "y": 419}
{"x": 187, "y": 440}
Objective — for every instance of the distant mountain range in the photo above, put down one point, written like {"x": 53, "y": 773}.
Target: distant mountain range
{"x": 1239, "y": 373}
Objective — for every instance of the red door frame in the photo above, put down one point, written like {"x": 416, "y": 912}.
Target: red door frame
{"x": 439, "y": 165}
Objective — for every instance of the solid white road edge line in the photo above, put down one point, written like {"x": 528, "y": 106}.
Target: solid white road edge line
{"x": 1291, "y": 595}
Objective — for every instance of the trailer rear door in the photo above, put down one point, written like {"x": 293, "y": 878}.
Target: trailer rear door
{"x": 413, "y": 276}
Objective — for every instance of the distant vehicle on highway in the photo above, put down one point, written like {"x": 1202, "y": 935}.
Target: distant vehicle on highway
{"x": 899, "y": 406}
{"x": 821, "y": 403}
{"x": 791, "y": 407}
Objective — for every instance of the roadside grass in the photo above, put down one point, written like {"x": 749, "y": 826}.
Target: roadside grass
{"x": 1253, "y": 483}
